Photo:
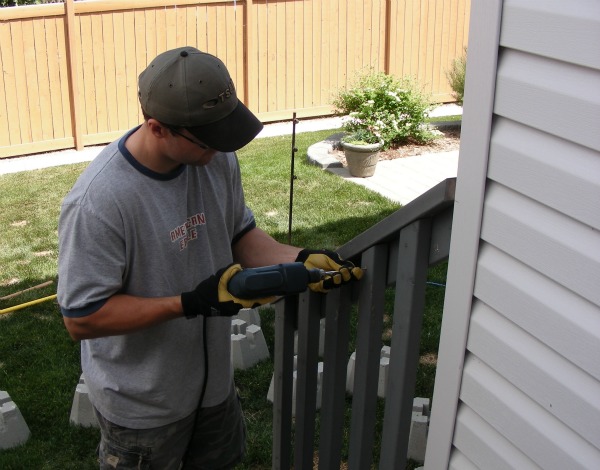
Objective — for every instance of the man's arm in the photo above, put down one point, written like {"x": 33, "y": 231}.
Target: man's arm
{"x": 257, "y": 248}
{"x": 123, "y": 314}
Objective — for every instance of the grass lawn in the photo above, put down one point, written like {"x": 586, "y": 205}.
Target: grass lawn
{"x": 39, "y": 363}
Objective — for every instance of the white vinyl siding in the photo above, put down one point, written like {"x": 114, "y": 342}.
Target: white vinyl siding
{"x": 520, "y": 155}
{"x": 545, "y": 376}
{"x": 529, "y": 427}
{"x": 543, "y": 238}
{"x": 549, "y": 312}
{"x": 531, "y": 89}
{"x": 484, "y": 444}
{"x": 523, "y": 295}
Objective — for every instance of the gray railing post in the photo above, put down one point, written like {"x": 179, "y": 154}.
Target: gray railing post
{"x": 411, "y": 277}
{"x": 335, "y": 360}
{"x": 368, "y": 352}
{"x": 309, "y": 316}
{"x": 285, "y": 319}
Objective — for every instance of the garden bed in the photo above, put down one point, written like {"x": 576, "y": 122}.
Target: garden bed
{"x": 448, "y": 141}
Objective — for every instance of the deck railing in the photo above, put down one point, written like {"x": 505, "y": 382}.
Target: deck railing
{"x": 396, "y": 251}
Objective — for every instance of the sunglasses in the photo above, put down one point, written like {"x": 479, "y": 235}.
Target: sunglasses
{"x": 198, "y": 143}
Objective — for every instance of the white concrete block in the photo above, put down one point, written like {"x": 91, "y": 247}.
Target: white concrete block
{"x": 421, "y": 405}
{"x": 13, "y": 428}
{"x": 350, "y": 373}
{"x": 248, "y": 344}
{"x": 249, "y": 315}
{"x": 419, "y": 427}
{"x": 384, "y": 363}
{"x": 82, "y": 410}
{"x": 271, "y": 392}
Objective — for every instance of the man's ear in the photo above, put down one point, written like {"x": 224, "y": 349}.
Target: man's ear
{"x": 156, "y": 128}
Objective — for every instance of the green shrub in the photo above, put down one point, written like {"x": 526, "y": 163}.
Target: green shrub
{"x": 456, "y": 77}
{"x": 384, "y": 108}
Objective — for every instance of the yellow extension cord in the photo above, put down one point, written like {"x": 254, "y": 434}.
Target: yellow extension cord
{"x": 27, "y": 304}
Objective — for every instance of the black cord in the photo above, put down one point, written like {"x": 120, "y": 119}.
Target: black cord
{"x": 205, "y": 381}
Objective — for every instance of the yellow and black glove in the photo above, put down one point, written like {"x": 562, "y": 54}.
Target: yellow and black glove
{"x": 329, "y": 261}
{"x": 211, "y": 297}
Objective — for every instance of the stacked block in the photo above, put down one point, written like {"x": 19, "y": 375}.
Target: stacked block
{"x": 82, "y": 411}
{"x": 271, "y": 392}
{"x": 419, "y": 427}
{"x": 13, "y": 429}
{"x": 384, "y": 362}
{"x": 248, "y": 345}
{"x": 249, "y": 315}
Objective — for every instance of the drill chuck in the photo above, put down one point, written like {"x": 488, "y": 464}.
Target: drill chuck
{"x": 276, "y": 280}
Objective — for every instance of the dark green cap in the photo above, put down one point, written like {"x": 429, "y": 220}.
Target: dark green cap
{"x": 188, "y": 88}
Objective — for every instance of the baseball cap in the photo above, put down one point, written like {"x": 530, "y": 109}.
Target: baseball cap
{"x": 185, "y": 87}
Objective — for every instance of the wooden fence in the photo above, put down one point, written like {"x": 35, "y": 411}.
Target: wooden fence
{"x": 69, "y": 70}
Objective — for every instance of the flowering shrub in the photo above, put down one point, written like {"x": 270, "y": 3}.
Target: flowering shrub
{"x": 382, "y": 108}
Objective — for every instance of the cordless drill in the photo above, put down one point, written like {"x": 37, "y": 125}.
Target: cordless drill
{"x": 279, "y": 279}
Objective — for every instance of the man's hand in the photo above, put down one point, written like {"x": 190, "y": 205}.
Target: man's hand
{"x": 211, "y": 297}
{"x": 329, "y": 261}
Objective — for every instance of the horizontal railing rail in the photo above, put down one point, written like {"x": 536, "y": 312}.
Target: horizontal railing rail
{"x": 396, "y": 251}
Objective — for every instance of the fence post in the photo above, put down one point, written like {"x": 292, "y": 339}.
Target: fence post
{"x": 73, "y": 73}
{"x": 249, "y": 65}
{"x": 388, "y": 34}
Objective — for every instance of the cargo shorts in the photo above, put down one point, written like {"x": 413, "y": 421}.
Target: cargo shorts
{"x": 215, "y": 440}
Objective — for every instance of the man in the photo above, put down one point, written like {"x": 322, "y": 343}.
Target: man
{"x": 149, "y": 237}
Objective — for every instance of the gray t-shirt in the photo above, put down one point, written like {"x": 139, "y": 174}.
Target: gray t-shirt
{"x": 126, "y": 229}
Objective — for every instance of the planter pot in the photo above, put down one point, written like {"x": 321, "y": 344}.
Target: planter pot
{"x": 361, "y": 159}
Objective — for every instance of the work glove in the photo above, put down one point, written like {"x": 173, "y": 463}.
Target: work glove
{"x": 211, "y": 297}
{"x": 329, "y": 261}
